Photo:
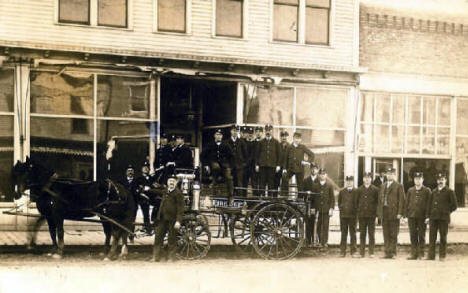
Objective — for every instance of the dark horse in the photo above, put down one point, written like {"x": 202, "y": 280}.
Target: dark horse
{"x": 68, "y": 199}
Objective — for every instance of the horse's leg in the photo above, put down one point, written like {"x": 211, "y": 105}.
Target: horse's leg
{"x": 108, "y": 232}
{"x": 124, "y": 251}
{"x": 53, "y": 234}
{"x": 115, "y": 244}
{"x": 60, "y": 236}
{"x": 33, "y": 234}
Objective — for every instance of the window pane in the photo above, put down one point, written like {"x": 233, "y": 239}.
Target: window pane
{"x": 54, "y": 144}
{"x": 120, "y": 96}
{"x": 382, "y": 139}
{"x": 285, "y": 22}
{"x": 322, "y": 138}
{"x": 443, "y": 141}
{"x": 6, "y": 158}
{"x": 128, "y": 151}
{"x": 272, "y": 105}
{"x": 171, "y": 15}
{"x": 75, "y": 11}
{"x": 66, "y": 94}
{"x": 397, "y": 139}
{"x": 317, "y": 25}
{"x": 413, "y": 139}
{"x": 365, "y": 138}
{"x": 367, "y": 107}
{"x": 382, "y": 108}
{"x": 229, "y": 18}
{"x": 428, "y": 146}
{"x": 414, "y": 109}
{"x": 319, "y": 107}
{"x": 429, "y": 108}
{"x": 398, "y": 116}
{"x": 462, "y": 117}
{"x": 6, "y": 90}
{"x": 112, "y": 13}
{"x": 444, "y": 111}
{"x": 318, "y": 3}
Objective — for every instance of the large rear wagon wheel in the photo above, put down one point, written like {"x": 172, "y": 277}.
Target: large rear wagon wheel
{"x": 193, "y": 237}
{"x": 277, "y": 231}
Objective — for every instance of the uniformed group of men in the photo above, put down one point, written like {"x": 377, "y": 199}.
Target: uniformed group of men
{"x": 420, "y": 205}
{"x": 255, "y": 157}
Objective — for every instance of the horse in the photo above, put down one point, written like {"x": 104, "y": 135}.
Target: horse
{"x": 59, "y": 199}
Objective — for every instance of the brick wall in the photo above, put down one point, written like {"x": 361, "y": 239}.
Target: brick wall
{"x": 402, "y": 42}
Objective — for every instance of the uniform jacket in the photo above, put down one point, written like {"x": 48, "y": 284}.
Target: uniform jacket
{"x": 213, "y": 152}
{"x": 129, "y": 185}
{"x": 172, "y": 206}
{"x": 163, "y": 156}
{"x": 325, "y": 200}
{"x": 312, "y": 186}
{"x": 441, "y": 204}
{"x": 367, "y": 200}
{"x": 268, "y": 153}
{"x": 417, "y": 202}
{"x": 378, "y": 181}
{"x": 395, "y": 200}
{"x": 250, "y": 148}
{"x": 347, "y": 202}
{"x": 183, "y": 157}
{"x": 283, "y": 153}
{"x": 239, "y": 152}
{"x": 295, "y": 156}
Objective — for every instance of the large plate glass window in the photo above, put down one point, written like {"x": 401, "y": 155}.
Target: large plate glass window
{"x": 6, "y": 133}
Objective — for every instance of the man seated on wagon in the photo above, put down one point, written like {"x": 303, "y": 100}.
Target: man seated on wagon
{"x": 217, "y": 159}
{"x": 168, "y": 219}
{"x": 182, "y": 154}
{"x": 145, "y": 183}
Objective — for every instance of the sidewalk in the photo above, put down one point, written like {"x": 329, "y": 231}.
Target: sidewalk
{"x": 91, "y": 238}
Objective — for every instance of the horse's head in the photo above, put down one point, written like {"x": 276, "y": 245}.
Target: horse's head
{"x": 21, "y": 176}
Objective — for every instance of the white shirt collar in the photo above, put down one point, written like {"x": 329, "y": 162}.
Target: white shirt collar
{"x": 323, "y": 182}
{"x": 295, "y": 145}
{"x": 234, "y": 138}
{"x": 367, "y": 186}
{"x": 217, "y": 142}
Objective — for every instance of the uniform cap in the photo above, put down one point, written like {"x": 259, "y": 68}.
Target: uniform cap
{"x": 390, "y": 170}
{"x": 322, "y": 171}
{"x": 284, "y": 133}
{"x": 418, "y": 174}
{"x": 441, "y": 175}
{"x": 268, "y": 127}
{"x": 130, "y": 166}
{"x": 250, "y": 130}
{"x": 349, "y": 178}
{"x": 180, "y": 136}
{"x": 234, "y": 126}
{"x": 313, "y": 165}
{"x": 172, "y": 137}
{"x": 368, "y": 174}
{"x": 219, "y": 130}
{"x": 163, "y": 135}
{"x": 297, "y": 134}
{"x": 244, "y": 128}
{"x": 146, "y": 164}
{"x": 258, "y": 128}
{"x": 172, "y": 176}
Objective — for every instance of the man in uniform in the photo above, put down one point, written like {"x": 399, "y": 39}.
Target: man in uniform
{"x": 249, "y": 140}
{"x": 311, "y": 185}
{"x": 182, "y": 154}
{"x": 267, "y": 160}
{"x": 256, "y": 176}
{"x": 163, "y": 156}
{"x": 325, "y": 203}
{"x": 379, "y": 180}
{"x": 145, "y": 183}
{"x": 366, "y": 202}
{"x": 129, "y": 183}
{"x": 390, "y": 210}
{"x": 416, "y": 206}
{"x": 284, "y": 144}
{"x": 239, "y": 155}
{"x": 293, "y": 162}
{"x": 442, "y": 203}
{"x": 169, "y": 219}
{"x": 347, "y": 205}
{"x": 217, "y": 158}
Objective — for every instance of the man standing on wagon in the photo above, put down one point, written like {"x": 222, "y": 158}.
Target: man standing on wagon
{"x": 239, "y": 157}
{"x": 267, "y": 160}
{"x": 169, "y": 219}
{"x": 144, "y": 183}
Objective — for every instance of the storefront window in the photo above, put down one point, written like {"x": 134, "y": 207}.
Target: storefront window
{"x": 381, "y": 139}
{"x": 413, "y": 139}
{"x": 367, "y": 107}
{"x": 365, "y": 138}
{"x": 428, "y": 146}
{"x": 398, "y": 106}
{"x": 64, "y": 94}
{"x": 397, "y": 139}
{"x": 120, "y": 96}
{"x": 429, "y": 117}
{"x": 444, "y": 111}
{"x": 273, "y": 105}
{"x": 319, "y": 107}
{"x": 443, "y": 140}
{"x": 382, "y": 107}
{"x": 414, "y": 109}
{"x": 6, "y": 133}
{"x": 461, "y": 170}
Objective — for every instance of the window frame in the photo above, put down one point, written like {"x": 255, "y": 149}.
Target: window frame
{"x": 94, "y": 17}
{"x": 188, "y": 20}
{"x": 301, "y": 26}
{"x": 244, "y": 22}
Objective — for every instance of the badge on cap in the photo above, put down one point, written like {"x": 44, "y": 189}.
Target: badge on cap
{"x": 130, "y": 166}
{"x": 390, "y": 170}
{"x": 441, "y": 175}
{"x": 418, "y": 174}
{"x": 219, "y": 130}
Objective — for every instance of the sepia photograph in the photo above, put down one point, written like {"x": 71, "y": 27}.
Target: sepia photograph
{"x": 216, "y": 146}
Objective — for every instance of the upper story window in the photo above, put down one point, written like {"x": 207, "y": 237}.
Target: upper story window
{"x": 172, "y": 15}
{"x": 110, "y": 13}
{"x": 301, "y": 21}
{"x": 229, "y": 18}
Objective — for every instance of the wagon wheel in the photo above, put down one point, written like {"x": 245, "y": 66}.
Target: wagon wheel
{"x": 277, "y": 231}
{"x": 193, "y": 237}
{"x": 239, "y": 228}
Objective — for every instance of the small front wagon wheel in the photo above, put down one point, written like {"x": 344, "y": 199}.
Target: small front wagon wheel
{"x": 277, "y": 231}
{"x": 193, "y": 237}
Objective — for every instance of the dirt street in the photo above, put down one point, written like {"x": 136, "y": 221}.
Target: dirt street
{"x": 223, "y": 272}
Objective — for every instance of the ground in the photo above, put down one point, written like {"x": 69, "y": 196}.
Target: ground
{"x": 225, "y": 271}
